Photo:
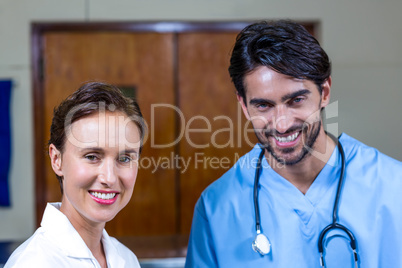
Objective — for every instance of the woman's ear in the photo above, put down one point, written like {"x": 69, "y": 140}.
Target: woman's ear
{"x": 55, "y": 160}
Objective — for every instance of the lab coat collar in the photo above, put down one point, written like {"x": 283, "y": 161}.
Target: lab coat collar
{"x": 111, "y": 252}
{"x": 61, "y": 232}
{"x": 63, "y": 235}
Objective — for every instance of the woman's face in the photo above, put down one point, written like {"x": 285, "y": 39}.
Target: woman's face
{"x": 99, "y": 166}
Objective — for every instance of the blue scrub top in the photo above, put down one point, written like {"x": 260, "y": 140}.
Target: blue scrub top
{"x": 370, "y": 206}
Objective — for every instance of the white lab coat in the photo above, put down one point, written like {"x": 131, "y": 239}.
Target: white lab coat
{"x": 57, "y": 244}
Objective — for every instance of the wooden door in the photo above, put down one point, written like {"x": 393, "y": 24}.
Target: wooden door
{"x": 179, "y": 72}
{"x": 143, "y": 61}
{"x": 176, "y": 75}
{"x": 214, "y": 120}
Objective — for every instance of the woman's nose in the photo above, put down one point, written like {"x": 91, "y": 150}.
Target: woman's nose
{"x": 108, "y": 174}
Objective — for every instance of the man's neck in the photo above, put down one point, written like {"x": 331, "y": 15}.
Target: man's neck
{"x": 303, "y": 174}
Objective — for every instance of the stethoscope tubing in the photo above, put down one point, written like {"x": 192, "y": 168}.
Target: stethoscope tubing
{"x": 335, "y": 224}
{"x": 256, "y": 185}
{"x": 331, "y": 226}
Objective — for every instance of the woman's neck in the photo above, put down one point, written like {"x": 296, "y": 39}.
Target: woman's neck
{"x": 89, "y": 231}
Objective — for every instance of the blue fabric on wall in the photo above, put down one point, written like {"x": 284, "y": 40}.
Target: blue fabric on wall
{"x": 5, "y": 140}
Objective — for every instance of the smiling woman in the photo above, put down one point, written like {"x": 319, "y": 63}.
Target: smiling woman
{"x": 95, "y": 142}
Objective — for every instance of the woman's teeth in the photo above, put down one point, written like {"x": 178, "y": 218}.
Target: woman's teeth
{"x": 103, "y": 195}
{"x": 288, "y": 138}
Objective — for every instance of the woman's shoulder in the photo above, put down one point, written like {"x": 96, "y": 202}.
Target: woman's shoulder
{"x": 35, "y": 250}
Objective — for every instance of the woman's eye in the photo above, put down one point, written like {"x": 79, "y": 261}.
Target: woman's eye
{"x": 125, "y": 159}
{"x": 91, "y": 157}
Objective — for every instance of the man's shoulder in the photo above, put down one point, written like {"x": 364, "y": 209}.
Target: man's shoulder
{"x": 367, "y": 162}
{"x": 238, "y": 178}
{"x": 357, "y": 151}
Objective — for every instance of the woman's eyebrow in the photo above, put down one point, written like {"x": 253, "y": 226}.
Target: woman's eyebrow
{"x": 129, "y": 151}
{"x": 92, "y": 149}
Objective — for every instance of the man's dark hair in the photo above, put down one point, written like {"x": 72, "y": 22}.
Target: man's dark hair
{"x": 283, "y": 46}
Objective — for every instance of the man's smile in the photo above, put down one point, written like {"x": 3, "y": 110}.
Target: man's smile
{"x": 288, "y": 138}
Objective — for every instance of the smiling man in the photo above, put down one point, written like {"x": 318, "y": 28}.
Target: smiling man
{"x": 301, "y": 197}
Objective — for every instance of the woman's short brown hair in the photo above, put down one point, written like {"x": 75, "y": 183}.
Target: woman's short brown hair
{"x": 87, "y": 100}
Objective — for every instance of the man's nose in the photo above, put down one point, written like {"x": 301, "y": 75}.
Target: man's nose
{"x": 282, "y": 121}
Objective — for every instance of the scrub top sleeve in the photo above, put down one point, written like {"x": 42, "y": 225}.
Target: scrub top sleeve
{"x": 201, "y": 251}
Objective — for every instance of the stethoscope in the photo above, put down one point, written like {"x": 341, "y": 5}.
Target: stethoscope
{"x": 261, "y": 243}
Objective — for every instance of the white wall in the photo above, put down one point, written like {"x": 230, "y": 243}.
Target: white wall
{"x": 362, "y": 37}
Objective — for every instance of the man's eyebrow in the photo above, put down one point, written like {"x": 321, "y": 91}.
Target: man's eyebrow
{"x": 283, "y": 99}
{"x": 295, "y": 94}
{"x": 261, "y": 100}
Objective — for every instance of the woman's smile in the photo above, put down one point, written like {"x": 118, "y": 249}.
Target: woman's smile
{"x": 104, "y": 197}
{"x": 99, "y": 166}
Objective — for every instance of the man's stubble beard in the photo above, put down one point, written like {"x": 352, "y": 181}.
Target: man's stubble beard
{"x": 307, "y": 145}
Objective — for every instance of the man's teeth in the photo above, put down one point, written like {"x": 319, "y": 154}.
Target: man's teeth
{"x": 288, "y": 138}
{"x": 103, "y": 195}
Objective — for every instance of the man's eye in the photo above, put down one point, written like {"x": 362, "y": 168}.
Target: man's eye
{"x": 263, "y": 106}
{"x": 297, "y": 100}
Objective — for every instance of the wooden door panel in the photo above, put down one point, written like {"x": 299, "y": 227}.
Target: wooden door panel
{"x": 185, "y": 67}
{"x": 208, "y": 101}
{"x": 140, "y": 60}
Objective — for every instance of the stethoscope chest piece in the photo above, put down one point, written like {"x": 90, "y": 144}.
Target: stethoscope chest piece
{"x": 261, "y": 244}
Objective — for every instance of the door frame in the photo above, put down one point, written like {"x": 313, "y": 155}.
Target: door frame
{"x": 39, "y": 29}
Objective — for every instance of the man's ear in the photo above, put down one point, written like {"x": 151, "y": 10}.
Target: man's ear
{"x": 55, "y": 160}
{"x": 326, "y": 92}
{"x": 241, "y": 100}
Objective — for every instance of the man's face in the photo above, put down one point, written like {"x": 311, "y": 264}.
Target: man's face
{"x": 285, "y": 113}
